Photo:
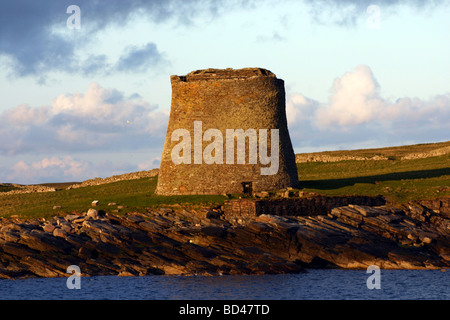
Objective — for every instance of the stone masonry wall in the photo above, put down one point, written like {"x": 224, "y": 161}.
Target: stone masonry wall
{"x": 250, "y": 98}
{"x": 440, "y": 205}
{"x": 241, "y": 210}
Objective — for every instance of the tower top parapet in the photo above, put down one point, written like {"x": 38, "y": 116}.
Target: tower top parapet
{"x": 228, "y": 73}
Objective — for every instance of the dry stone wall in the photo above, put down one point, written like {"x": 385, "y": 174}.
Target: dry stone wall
{"x": 27, "y": 189}
{"x": 307, "y": 157}
{"x": 242, "y": 210}
{"x": 250, "y": 98}
{"x": 121, "y": 177}
{"x": 433, "y": 153}
{"x": 324, "y": 157}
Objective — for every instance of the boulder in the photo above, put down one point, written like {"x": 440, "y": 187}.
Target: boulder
{"x": 71, "y": 217}
{"x": 213, "y": 215}
{"x": 48, "y": 227}
{"x": 59, "y": 232}
{"x": 93, "y": 214}
{"x": 126, "y": 273}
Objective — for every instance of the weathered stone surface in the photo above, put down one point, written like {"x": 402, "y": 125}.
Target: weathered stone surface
{"x": 17, "y": 249}
{"x": 364, "y": 210}
{"x": 10, "y": 236}
{"x": 41, "y": 241}
{"x": 71, "y": 217}
{"x": 48, "y": 227}
{"x": 213, "y": 215}
{"x": 221, "y": 99}
{"x": 92, "y": 213}
{"x": 59, "y": 232}
{"x": 304, "y": 206}
{"x": 135, "y": 218}
{"x": 126, "y": 176}
{"x": 188, "y": 242}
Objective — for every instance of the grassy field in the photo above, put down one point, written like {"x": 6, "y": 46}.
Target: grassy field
{"x": 398, "y": 180}
{"x": 7, "y": 187}
{"x": 134, "y": 195}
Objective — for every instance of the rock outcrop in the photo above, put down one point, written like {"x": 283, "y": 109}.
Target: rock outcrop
{"x": 186, "y": 242}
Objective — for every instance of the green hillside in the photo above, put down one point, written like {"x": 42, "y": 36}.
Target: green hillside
{"x": 398, "y": 178}
{"x": 128, "y": 195}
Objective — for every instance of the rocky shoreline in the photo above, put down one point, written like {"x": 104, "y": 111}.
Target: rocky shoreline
{"x": 187, "y": 242}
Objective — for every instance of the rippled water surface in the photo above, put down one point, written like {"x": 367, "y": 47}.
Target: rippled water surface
{"x": 313, "y": 284}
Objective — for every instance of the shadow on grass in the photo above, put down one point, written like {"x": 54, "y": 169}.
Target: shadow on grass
{"x": 345, "y": 182}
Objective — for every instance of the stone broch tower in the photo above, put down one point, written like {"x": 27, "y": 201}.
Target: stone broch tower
{"x": 250, "y": 98}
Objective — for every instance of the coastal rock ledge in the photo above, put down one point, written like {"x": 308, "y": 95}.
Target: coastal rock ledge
{"x": 186, "y": 242}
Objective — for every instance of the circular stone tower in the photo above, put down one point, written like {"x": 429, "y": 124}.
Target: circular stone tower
{"x": 227, "y": 133}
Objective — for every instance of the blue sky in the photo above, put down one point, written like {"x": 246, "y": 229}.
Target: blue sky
{"x": 94, "y": 101}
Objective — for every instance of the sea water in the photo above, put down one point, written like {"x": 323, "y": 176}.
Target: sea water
{"x": 316, "y": 284}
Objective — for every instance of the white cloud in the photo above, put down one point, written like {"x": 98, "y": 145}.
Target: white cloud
{"x": 24, "y": 115}
{"x": 96, "y": 133}
{"x": 355, "y": 99}
{"x": 298, "y": 108}
{"x": 66, "y": 165}
{"x": 357, "y": 115}
{"x": 61, "y": 169}
{"x": 98, "y": 119}
{"x": 97, "y": 105}
{"x": 151, "y": 164}
{"x": 65, "y": 169}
